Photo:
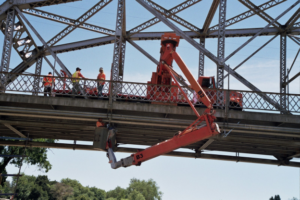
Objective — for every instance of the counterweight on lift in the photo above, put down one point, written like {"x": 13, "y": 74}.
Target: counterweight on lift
{"x": 194, "y": 132}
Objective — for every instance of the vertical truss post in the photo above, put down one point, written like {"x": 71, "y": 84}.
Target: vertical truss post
{"x": 119, "y": 49}
{"x": 38, "y": 69}
{"x": 201, "y": 58}
{"x": 221, "y": 51}
{"x": 7, "y": 44}
{"x": 283, "y": 72}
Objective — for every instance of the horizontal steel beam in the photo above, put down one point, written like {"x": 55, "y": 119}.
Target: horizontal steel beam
{"x": 247, "y": 14}
{"x": 157, "y": 36}
{"x": 68, "y": 21}
{"x": 48, "y": 125}
{"x": 29, "y": 3}
{"x": 82, "y": 44}
{"x": 129, "y": 107}
{"x": 143, "y": 121}
{"x": 173, "y": 154}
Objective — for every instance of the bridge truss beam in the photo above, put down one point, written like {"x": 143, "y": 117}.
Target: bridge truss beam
{"x": 7, "y": 45}
{"x": 173, "y": 154}
{"x": 119, "y": 48}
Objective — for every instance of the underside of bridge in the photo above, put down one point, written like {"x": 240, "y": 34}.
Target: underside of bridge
{"x": 264, "y": 128}
{"x": 147, "y": 124}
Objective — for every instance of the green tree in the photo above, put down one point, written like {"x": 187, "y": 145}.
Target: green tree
{"x": 98, "y": 193}
{"x": 37, "y": 193}
{"x": 78, "y": 189}
{"x": 43, "y": 182}
{"x": 276, "y": 197}
{"x": 136, "y": 195}
{"x": 83, "y": 197}
{"x": 60, "y": 191}
{"x": 35, "y": 156}
{"x": 149, "y": 189}
{"x": 118, "y": 193}
{"x": 6, "y": 188}
{"x": 25, "y": 186}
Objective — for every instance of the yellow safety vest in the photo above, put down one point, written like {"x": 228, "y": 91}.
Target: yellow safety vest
{"x": 75, "y": 77}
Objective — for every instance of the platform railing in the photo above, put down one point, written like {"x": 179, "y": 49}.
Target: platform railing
{"x": 148, "y": 93}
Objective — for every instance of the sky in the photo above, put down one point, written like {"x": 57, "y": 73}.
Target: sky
{"x": 178, "y": 178}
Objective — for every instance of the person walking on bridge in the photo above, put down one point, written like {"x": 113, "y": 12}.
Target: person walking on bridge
{"x": 100, "y": 82}
{"x": 48, "y": 81}
{"x": 75, "y": 79}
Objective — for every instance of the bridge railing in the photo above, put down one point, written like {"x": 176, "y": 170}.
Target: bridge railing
{"x": 148, "y": 93}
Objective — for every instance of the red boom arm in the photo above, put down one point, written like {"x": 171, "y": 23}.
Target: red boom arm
{"x": 191, "y": 134}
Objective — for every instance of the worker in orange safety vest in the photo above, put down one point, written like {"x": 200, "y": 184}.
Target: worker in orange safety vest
{"x": 100, "y": 82}
{"x": 99, "y": 123}
{"x": 48, "y": 81}
{"x": 75, "y": 79}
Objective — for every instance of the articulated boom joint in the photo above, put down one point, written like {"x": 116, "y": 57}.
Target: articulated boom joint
{"x": 197, "y": 131}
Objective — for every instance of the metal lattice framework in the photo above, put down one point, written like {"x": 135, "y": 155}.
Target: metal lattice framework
{"x": 283, "y": 91}
{"x": 119, "y": 48}
{"x": 18, "y": 35}
{"x": 38, "y": 70}
{"x": 201, "y": 58}
{"x": 7, "y": 44}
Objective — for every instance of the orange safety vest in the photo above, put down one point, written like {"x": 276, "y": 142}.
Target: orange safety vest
{"x": 100, "y": 124}
{"x": 48, "y": 80}
{"x": 101, "y": 77}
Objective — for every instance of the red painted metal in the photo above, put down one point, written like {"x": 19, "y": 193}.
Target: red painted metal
{"x": 193, "y": 133}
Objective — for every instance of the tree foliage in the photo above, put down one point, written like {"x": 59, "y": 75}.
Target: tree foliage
{"x": 35, "y": 156}
{"x": 137, "y": 190}
{"x": 276, "y": 197}
{"x": 149, "y": 189}
{"x": 41, "y": 188}
{"x": 118, "y": 193}
{"x": 61, "y": 191}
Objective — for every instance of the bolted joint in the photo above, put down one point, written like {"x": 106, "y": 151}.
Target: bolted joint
{"x": 221, "y": 62}
{"x": 198, "y": 154}
{"x": 283, "y": 160}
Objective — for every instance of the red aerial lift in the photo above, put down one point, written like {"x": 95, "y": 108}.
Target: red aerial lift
{"x": 193, "y": 133}
{"x": 209, "y": 86}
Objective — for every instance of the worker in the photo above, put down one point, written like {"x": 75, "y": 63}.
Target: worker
{"x": 48, "y": 81}
{"x": 101, "y": 82}
{"x": 99, "y": 123}
{"x": 75, "y": 79}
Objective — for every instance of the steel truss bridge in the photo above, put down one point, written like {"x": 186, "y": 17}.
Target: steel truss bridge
{"x": 268, "y": 124}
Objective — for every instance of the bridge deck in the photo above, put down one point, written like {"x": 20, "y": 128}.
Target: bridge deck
{"x": 266, "y": 134}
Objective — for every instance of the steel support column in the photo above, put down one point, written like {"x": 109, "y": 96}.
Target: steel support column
{"x": 283, "y": 72}
{"x": 221, "y": 44}
{"x": 119, "y": 49}
{"x": 38, "y": 69}
{"x": 7, "y": 44}
{"x": 221, "y": 51}
{"x": 201, "y": 58}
